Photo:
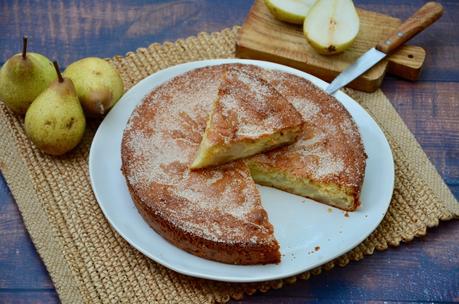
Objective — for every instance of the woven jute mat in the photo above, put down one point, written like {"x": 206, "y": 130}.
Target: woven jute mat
{"x": 89, "y": 262}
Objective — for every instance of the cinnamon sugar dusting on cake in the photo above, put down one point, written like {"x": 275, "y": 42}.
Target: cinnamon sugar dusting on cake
{"x": 251, "y": 107}
{"x": 218, "y": 176}
{"x": 331, "y": 148}
{"x": 326, "y": 163}
{"x": 307, "y": 109}
{"x": 162, "y": 137}
{"x": 222, "y": 204}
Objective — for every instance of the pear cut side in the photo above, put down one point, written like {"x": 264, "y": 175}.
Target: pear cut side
{"x": 292, "y": 11}
{"x": 331, "y": 26}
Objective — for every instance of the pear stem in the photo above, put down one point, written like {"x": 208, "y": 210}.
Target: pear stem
{"x": 59, "y": 75}
{"x": 24, "y": 47}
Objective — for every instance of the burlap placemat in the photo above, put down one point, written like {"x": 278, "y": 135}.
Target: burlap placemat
{"x": 89, "y": 262}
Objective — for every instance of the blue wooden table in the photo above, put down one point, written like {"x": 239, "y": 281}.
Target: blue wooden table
{"x": 424, "y": 270}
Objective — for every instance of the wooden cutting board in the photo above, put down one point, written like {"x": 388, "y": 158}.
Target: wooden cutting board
{"x": 265, "y": 38}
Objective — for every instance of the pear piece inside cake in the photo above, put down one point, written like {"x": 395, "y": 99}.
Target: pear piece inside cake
{"x": 327, "y": 163}
{"x": 249, "y": 116}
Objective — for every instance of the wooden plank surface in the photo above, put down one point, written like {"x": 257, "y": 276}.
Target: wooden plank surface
{"x": 20, "y": 266}
{"x": 263, "y": 37}
{"x": 422, "y": 271}
{"x": 68, "y": 30}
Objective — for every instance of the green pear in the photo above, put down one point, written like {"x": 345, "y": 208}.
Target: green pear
{"x": 292, "y": 11}
{"x": 23, "y": 77}
{"x": 331, "y": 26}
{"x": 98, "y": 84}
{"x": 55, "y": 120}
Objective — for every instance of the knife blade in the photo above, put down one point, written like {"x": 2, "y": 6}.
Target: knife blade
{"x": 420, "y": 20}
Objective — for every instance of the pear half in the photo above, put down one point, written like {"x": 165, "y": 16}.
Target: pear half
{"x": 331, "y": 26}
{"x": 292, "y": 11}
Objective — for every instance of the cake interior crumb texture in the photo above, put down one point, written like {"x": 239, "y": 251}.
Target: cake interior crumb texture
{"x": 249, "y": 116}
{"x": 216, "y": 213}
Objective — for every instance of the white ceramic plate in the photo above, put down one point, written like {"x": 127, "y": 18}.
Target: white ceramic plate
{"x": 301, "y": 225}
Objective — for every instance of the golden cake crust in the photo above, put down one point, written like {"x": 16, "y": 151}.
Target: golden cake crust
{"x": 330, "y": 152}
{"x": 214, "y": 213}
{"x": 249, "y": 107}
{"x": 249, "y": 116}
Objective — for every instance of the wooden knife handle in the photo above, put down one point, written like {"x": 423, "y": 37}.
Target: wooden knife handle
{"x": 420, "y": 20}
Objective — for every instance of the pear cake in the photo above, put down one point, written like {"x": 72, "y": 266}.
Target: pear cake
{"x": 327, "y": 163}
{"x": 216, "y": 213}
{"x": 249, "y": 116}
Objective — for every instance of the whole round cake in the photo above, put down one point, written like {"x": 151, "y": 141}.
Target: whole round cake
{"x": 216, "y": 213}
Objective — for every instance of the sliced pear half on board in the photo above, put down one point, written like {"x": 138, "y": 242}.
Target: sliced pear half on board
{"x": 292, "y": 11}
{"x": 331, "y": 26}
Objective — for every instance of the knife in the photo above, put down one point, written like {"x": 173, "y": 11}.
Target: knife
{"x": 420, "y": 20}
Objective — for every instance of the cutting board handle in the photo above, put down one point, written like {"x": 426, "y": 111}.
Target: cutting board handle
{"x": 419, "y": 21}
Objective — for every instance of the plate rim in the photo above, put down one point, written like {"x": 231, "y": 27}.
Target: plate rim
{"x": 339, "y": 95}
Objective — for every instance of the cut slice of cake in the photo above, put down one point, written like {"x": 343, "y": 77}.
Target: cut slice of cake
{"x": 216, "y": 213}
{"x": 327, "y": 163}
{"x": 249, "y": 116}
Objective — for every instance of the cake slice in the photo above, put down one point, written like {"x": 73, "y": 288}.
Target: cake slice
{"x": 249, "y": 116}
{"x": 327, "y": 162}
{"x": 216, "y": 213}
